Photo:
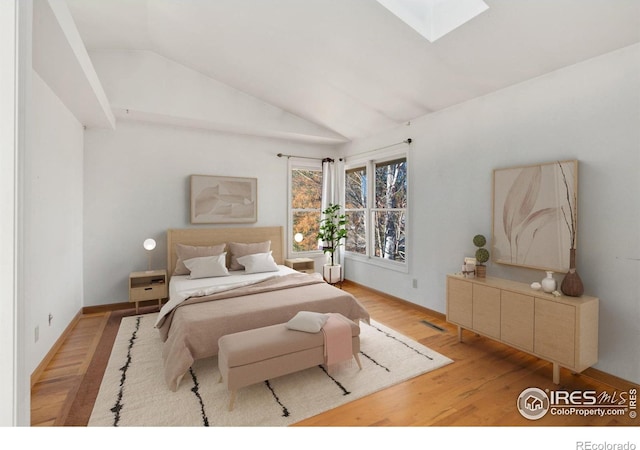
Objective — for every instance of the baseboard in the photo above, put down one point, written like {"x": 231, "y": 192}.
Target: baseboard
{"x": 612, "y": 380}
{"x": 35, "y": 375}
{"x": 85, "y": 311}
{"x": 117, "y": 306}
{"x": 431, "y": 312}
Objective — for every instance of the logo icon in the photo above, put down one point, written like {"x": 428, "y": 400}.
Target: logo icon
{"x": 533, "y": 403}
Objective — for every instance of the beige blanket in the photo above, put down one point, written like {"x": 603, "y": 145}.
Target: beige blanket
{"x": 191, "y": 331}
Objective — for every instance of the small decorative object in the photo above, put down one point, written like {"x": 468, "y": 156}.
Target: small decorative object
{"x": 482, "y": 255}
{"x": 469, "y": 267}
{"x": 331, "y": 234}
{"x": 536, "y": 286}
{"x": 572, "y": 283}
{"x": 549, "y": 283}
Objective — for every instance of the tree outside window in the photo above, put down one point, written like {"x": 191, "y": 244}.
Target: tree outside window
{"x": 390, "y": 210}
{"x": 306, "y": 196}
{"x": 384, "y": 217}
{"x": 355, "y": 210}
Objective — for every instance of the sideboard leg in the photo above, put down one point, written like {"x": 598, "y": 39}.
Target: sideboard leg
{"x": 556, "y": 373}
{"x": 459, "y": 333}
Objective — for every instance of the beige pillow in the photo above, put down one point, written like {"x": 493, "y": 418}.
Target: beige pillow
{"x": 308, "y": 321}
{"x": 238, "y": 249}
{"x": 185, "y": 252}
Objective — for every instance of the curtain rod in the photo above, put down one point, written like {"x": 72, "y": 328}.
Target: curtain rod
{"x": 406, "y": 141}
{"x": 282, "y": 155}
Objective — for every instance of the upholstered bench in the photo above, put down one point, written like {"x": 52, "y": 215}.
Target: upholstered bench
{"x": 252, "y": 356}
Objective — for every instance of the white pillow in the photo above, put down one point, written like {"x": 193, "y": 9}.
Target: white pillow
{"x": 258, "y": 262}
{"x": 207, "y": 266}
{"x": 308, "y": 321}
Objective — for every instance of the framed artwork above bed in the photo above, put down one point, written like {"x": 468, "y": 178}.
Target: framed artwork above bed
{"x": 216, "y": 199}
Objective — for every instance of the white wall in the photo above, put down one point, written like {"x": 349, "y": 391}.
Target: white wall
{"x": 52, "y": 205}
{"x": 137, "y": 186}
{"x": 590, "y": 112}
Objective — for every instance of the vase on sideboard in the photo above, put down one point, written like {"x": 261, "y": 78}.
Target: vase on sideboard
{"x": 548, "y": 283}
{"x": 572, "y": 283}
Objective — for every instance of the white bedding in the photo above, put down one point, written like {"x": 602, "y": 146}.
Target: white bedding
{"x": 181, "y": 287}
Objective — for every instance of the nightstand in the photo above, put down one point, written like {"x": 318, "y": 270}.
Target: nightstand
{"x": 148, "y": 285}
{"x": 306, "y": 265}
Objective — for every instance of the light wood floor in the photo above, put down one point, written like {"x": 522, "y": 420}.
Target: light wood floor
{"x": 481, "y": 387}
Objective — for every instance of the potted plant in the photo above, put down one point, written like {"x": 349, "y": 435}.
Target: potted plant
{"x": 331, "y": 233}
{"x": 482, "y": 255}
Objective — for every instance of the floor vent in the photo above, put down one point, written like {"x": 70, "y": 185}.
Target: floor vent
{"x": 432, "y": 325}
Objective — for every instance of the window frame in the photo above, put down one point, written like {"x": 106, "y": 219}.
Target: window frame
{"x": 369, "y": 162}
{"x": 299, "y": 164}
{"x": 364, "y": 210}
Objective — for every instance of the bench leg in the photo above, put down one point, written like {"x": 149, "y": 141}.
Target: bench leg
{"x": 232, "y": 400}
{"x": 357, "y": 357}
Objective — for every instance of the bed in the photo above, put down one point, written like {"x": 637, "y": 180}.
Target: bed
{"x": 201, "y": 310}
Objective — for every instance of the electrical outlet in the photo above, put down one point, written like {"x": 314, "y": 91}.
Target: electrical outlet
{"x": 37, "y": 333}
{"x": 415, "y": 283}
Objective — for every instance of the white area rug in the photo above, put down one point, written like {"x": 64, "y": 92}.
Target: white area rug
{"x": 133, "y": 391}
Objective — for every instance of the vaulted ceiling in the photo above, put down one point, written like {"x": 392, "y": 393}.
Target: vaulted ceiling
{"x": 349, "y": 66}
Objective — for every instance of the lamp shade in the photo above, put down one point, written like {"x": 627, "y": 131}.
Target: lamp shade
{"x": 149, "y": 244}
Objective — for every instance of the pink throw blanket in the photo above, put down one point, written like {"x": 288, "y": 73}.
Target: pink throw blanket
{"x": 337, "y": 340}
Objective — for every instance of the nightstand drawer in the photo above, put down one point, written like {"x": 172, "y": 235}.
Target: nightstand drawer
{"x": 153, "y": 292}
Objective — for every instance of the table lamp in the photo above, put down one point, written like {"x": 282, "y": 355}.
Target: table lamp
{"x": 149, "y": 245}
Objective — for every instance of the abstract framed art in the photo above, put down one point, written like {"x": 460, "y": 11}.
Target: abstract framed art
{"x": 217, "y": 199}
{"x": 535, "y": 215}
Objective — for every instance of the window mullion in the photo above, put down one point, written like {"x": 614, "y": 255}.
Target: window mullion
{"x": 371, "y": 181}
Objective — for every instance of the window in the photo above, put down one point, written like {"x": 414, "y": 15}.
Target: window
{"x": 305, "y": 205}
{"x": 376, "y": 209}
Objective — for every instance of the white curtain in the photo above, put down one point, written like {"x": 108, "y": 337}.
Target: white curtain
{"x": 327, "y": 183}
{"x": 331, "y": 194}
{"x": 327, "y": 188}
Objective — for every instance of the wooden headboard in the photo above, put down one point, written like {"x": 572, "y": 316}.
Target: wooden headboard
{"x": 213, "y": 236}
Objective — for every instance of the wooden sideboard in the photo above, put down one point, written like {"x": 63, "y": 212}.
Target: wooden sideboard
{"x": 563, "y": 330}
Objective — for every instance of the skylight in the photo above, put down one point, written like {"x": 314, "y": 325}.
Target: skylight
{"x": 435, "y": 18}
